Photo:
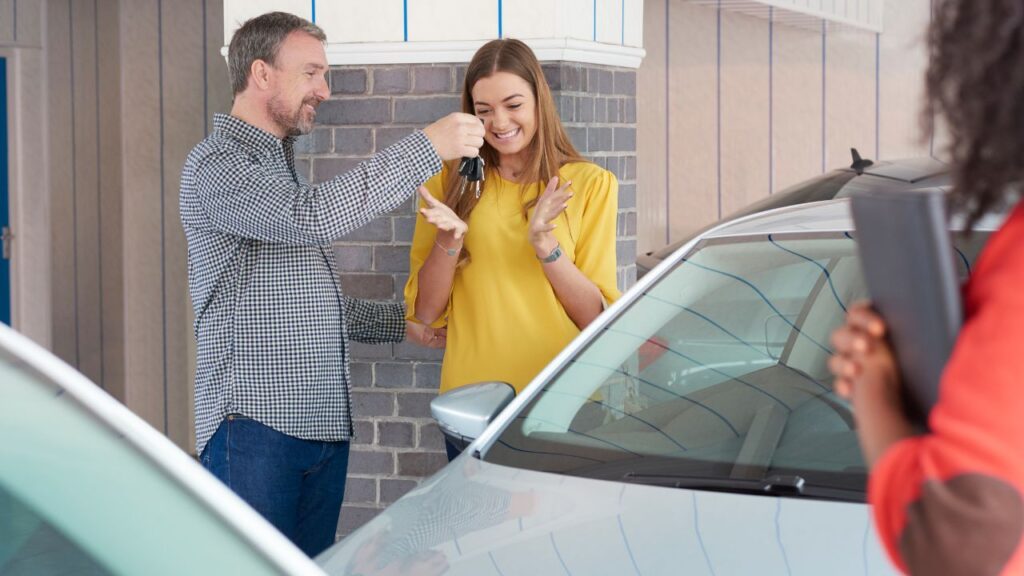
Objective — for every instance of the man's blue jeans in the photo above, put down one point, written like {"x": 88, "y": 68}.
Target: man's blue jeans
{"x": 298, "y": 485}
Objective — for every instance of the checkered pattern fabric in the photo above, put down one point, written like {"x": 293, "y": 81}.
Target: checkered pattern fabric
{"x": 272, "y": 324}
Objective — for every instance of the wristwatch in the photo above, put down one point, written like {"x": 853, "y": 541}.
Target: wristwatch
{"x": 556, "y": 252}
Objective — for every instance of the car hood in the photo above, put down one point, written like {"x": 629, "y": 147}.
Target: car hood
{"x": 476, "y": 518}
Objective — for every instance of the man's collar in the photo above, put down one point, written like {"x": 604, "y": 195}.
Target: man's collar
{"x": 249, "y": 134}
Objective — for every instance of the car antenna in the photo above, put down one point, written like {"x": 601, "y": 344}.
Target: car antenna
{"x": 859, "y": 164}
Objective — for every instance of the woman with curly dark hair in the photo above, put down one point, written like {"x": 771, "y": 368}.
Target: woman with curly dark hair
{"x": 950, "y": 501}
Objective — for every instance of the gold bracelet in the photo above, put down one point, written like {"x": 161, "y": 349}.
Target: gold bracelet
{"x": 448, "y": 251}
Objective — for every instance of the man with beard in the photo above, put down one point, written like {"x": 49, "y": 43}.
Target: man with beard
{"x": 273, "y": 392}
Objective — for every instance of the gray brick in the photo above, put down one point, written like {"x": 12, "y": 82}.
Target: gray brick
{"x": 369, "y": 286}
{"x": 626, "y": 224}
{"x": 630, "y": 111}
{"x": 396, "y": 434}
{"x": 371, "y": 462}
{"x": 393, "y": 375}
{"x": 600, "y": 113}
{"x": 625, "y": 251}
{"x": 428, "y": 375}
{"x": 348, "y": 81}
{"x": 353, "y": 258}
{"x": 627, "y": 196}
{"x": 391, "y": 258}
{"x": 316, "y": 142}
{"x": 578, "y": 135}
{"x": 361, "y": 490}
{"x": 364, "y": 430}
{"x": 625, "y": 140}
{"x": 353, "y": 141}
{"x": 460, "y": 78}
{"x": 376, "y": 230}
{"x": 566, "y": 108}
{"x": 400, "y": 281}
{"x": 408, "y": 351}
{"x": 624, "y": 83}
{"x": 420, "y": 464}
{"x": 599, "y": 81}
{"x": 386, "y": 136}
{"x": 424, "y": 110}
{"x": 630, "y": 171}
{"x": 303, "y": 167}
{"x": 326, "y": 168}
{"x": 355, "y": 111}
{"x": 391, "y": 80}
{"x": 353, "y": 517}
{"x": 415, "y": 404}
{"x": 363, "y": 351}
{"x": 407, "y": 208}
{"x": 430, "y": 437}
{"x": 630, "y": 276}
{"x": 614, "y": 106}
{"x": 369, "y": 404}
{"x": 432, "y": 79}
{"x": 361, "y": 372}
{"x": 404, "y": 228}
{"x": 392, "y": 489}
{"x": 553, "y": 74}
{"x": 599, "y": 139}
{"x": 615, "y": 165}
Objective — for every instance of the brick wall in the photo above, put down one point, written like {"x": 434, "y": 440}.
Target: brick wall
{"x": 397, "y": 444}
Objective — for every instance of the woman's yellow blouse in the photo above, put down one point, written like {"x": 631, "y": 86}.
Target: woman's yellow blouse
{"x": 504, "y": 321}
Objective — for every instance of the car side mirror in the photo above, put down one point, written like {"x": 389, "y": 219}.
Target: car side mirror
{"x": 464, "y": 413}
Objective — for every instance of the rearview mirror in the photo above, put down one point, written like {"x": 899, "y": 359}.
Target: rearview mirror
{"x": 464, "y": 413}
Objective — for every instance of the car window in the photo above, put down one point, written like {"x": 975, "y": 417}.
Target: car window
{"x": 719, "y": 370}
{"x": 30, "y": 545}
{"x": 74, "y": 492}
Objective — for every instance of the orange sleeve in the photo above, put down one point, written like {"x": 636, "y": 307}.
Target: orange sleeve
{"x": 966, "y": 476}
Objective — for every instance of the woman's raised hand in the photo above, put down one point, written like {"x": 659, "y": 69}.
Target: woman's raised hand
{"x": 551, "y": 203}
{"x": 441, "y": 216}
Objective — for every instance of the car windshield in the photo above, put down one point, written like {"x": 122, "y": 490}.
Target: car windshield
{"x": 716, "y": 373}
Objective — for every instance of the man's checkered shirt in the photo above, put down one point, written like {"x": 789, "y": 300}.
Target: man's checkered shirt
{"x": 272, "y": 324}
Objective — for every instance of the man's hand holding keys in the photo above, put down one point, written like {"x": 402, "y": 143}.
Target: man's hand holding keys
{"x": 457, "y": 135}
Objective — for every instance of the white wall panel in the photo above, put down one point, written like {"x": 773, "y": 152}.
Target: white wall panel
{"x": 609, "y": 21}
{"x": 528, "y": 19}
{"x": 902, "y": 58}
{"x": 236, "y": 12}
{"x": 439, "y": 19}
{"x": 377, "y": 21}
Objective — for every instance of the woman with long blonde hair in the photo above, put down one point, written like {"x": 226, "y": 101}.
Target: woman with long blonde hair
{"x": 515, "y": 272}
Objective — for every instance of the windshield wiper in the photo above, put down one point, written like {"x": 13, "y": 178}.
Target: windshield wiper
{"x": 776, "y": 485}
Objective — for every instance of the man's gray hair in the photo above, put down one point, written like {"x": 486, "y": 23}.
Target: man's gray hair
{"x": 260, "y": 39}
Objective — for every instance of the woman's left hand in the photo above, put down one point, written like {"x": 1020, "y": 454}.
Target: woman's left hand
{"x": 424, "y": 335}
{"x": 551, "y": 203}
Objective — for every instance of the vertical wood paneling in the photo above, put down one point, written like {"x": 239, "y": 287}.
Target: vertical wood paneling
{"x": 111, "y": 191}
{"x": 184, "y": 126}
{"x": 850, "y": 96}
{"x": 693, "y": 118}
{"x": 901, "y": 89}
{"x": 142, "y": 134}
{"x": 797, "y": 105}
{"x": 652, "y": 132}
{"x": 86, "y": 173}
{"x": 29, "y": 23}
{"x": 61, "y": 178}
{"x": 7, "y": 21}
{"x": 745, "y": 140}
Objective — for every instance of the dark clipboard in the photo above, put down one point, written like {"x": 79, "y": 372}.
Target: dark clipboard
{"x": 907, "y": 257}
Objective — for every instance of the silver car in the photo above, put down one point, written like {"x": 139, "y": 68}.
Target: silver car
{"x": 691, "y": 429}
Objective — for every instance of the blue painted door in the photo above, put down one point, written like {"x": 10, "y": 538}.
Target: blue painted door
{"x": 5, "y": 260}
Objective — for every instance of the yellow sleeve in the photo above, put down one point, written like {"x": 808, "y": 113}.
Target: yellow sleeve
{"x": 422, "y": 243}
{"x": 595, "y": 250}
